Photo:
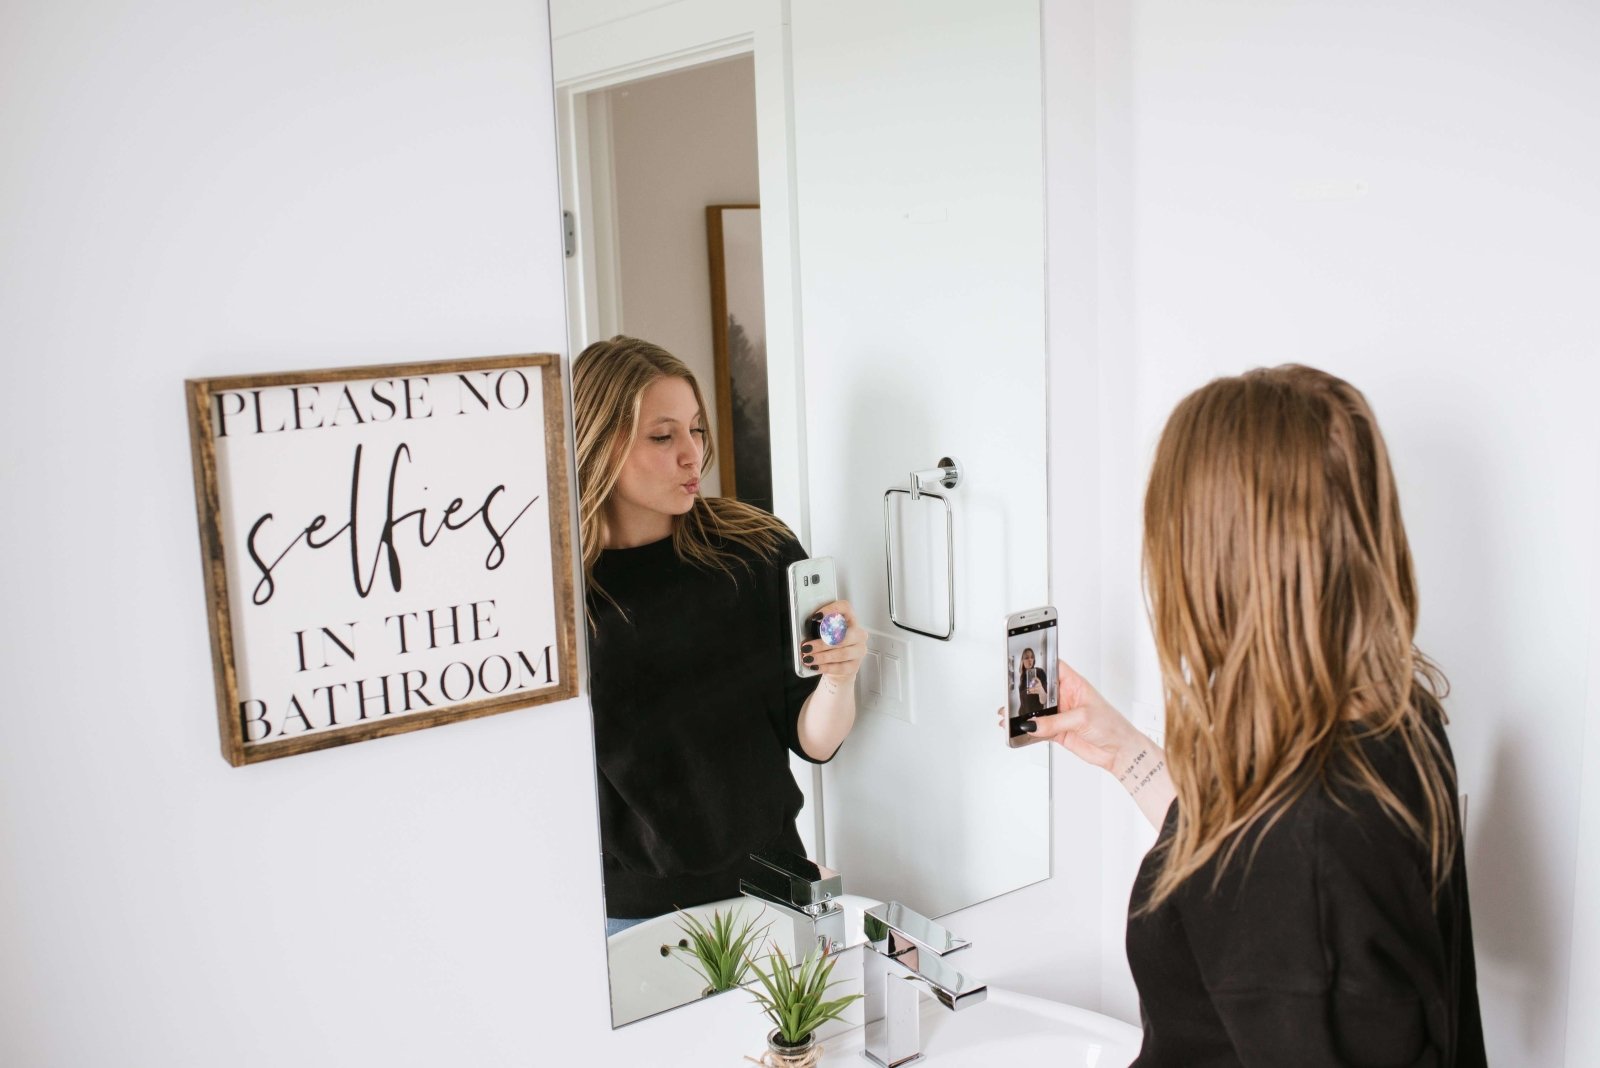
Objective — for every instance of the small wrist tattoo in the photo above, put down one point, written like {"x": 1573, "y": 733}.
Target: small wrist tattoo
{"x": 1134, "y": 765}
{"x": 1149, "y": 776}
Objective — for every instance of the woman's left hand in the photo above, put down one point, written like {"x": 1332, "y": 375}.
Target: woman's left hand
{"x": 842, "y": 661}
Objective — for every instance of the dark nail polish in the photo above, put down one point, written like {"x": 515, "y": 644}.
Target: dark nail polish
{"x": 1030, "y": 726}
{"x": 805, "y": 648}
{"x": 805, "y": 659}
{"x": 817, "y": 618}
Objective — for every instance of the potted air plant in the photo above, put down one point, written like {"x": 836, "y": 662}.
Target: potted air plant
{"x": 719, "y": 949}
{"x": 795, "y": 1000}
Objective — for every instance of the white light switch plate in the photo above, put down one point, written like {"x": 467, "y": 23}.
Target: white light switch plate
{"x": 884, "y": 684}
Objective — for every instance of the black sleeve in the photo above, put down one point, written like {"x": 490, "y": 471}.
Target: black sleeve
{"x": 795, "y": 689}
{"x": 1316, "y": 950}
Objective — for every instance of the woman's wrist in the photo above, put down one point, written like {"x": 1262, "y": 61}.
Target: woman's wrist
{"x": 1137, "y": 772}
{"x": 1135, "y": 758}
{"x": 836, "y": 685}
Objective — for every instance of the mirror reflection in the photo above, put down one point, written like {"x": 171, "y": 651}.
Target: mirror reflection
{"x": 805, "y": 261}
{"x": 696, "y": 702}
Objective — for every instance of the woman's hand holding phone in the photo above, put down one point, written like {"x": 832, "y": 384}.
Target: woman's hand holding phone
{"x": 839, "y": 662}
{"x": 1087, "y": 725}
{"x": 830, "y": 711}
{"x": 1091, "y": 729}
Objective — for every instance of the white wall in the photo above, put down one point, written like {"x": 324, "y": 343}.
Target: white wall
{"x": 212, "y": 187}
{"x": 1401, "y": 194}
{"x": 920, "y": 193}
{"x": 680, "y": 142}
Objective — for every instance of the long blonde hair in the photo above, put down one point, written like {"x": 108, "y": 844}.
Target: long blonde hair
{"x": 1284, "y": 606}
{"x": 608, "y": 383}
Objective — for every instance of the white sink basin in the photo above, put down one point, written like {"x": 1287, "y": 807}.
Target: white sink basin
{"x": 1008, "y": 1029}
{"x": 643, "y": 982}
{"x": 1004, "y": 1030}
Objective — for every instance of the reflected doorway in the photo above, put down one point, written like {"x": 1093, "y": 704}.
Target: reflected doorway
{"x": 665, "y": 243}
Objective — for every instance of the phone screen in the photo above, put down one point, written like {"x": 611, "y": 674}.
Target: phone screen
{"x": 1031, "y": 670}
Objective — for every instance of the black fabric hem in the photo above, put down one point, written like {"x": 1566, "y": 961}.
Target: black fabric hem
{"x": 630, "y": 895}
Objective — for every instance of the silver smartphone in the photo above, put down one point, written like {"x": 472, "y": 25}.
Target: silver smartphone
{"x": 812, "y": 584}
{"x": 1031, "y": 686}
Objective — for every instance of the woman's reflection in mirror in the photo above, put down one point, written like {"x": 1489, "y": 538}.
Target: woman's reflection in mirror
{"x": 1031, "y": 686}
{"x": 696, "y": 706}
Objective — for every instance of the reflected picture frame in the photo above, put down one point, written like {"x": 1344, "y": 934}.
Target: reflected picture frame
{"x": 739, "y": 353}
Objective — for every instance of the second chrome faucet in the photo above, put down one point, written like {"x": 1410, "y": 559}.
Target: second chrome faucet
{"x": 904, "y": 955}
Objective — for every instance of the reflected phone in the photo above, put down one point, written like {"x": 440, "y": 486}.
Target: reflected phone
{"x": 1031, "y": 686}
{"x": 812, "y": 584}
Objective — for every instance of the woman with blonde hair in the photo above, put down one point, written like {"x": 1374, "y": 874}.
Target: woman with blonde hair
{"x": 696, "y": 706}
{"x": 1306, "y": 901}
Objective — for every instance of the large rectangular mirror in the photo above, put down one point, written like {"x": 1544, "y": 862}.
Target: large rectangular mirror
{"x": 832, "y": 214}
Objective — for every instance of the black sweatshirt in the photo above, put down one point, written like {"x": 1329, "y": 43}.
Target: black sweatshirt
{"x": 1325, "y": 949}
{"x": 696, "y": 706}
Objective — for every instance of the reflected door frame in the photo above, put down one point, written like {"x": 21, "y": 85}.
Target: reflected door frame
{"x": 675, "y": 37}
{"x": 606, "y": 52}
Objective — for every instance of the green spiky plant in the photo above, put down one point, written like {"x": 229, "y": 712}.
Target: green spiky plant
{"x": 720, "y": 949}
{"x": 795, "y": 998}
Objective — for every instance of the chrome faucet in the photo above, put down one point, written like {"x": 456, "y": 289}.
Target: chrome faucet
{"x": 904, "y": 954}
{"x": 803, "y": 892}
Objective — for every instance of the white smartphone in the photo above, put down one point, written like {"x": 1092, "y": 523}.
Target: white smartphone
{"x": 812, "y": 584}
{"x": 1031, "y": 686}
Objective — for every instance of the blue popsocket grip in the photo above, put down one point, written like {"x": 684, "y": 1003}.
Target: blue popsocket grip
{"x": 831, "y": 629}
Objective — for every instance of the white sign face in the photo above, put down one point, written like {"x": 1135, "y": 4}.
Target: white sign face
{"x": 389, "y": 546}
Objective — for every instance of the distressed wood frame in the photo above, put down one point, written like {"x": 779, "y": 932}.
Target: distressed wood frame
{"x": 213, "y": 560}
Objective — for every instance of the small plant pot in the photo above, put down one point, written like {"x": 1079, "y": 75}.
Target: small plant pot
{"x": 782, "y": 1055}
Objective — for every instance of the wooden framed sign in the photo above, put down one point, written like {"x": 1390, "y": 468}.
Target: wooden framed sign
{"x": 385, "y": 548}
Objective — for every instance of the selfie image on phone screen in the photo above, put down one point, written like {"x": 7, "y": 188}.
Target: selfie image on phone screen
{"x": 1031, "y": 651}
